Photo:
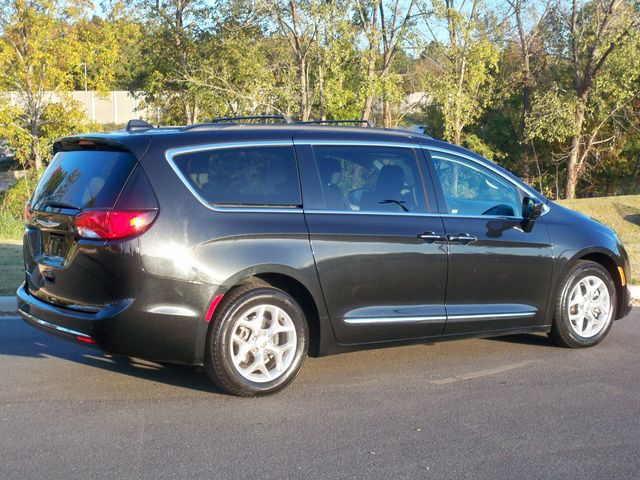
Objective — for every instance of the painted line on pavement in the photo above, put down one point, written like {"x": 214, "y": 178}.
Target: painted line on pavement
{"x": 483, "y": 373}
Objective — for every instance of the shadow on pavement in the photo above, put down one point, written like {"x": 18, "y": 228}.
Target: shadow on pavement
{"x": 19, "y": 339}
{"x": 538, "y": 340}
{"x": 635, "y": 219}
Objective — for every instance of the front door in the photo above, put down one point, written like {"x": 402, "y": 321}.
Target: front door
{"x": 499, "y": 273}
{"x": 376, "y": 238}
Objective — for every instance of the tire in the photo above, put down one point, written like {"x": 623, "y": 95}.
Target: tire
{"x": 581, "y": 317}
{"x": 247, "y": 353}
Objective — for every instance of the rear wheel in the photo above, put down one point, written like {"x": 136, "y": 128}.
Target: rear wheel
{"x": 258, "y": 341}
{"x": 585, "y": 307}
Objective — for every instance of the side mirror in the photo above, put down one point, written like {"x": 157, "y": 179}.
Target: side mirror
{"x": 531, "y": 211}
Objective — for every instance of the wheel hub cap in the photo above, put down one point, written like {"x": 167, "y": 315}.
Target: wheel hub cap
{"x": 589, "y": 307}
{"x": 263, "y": 343}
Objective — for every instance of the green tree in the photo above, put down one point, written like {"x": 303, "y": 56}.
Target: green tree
{"x": 463, "y": 61}
{"x": 44, "y": 45}
{"x": 243, "y": 72}
{"x": 603, "y": 51}
{"x": 169, "y": 51}
{"x": 530, "y": 20}
{"x": 385, "y": 28}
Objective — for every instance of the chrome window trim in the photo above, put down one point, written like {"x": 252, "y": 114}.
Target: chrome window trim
{"x": 433, "y": 318}
{"x": 522, "y": 186}
{"x": 357, "y": 143}
{"x": 317, "y": 211}
{"x": 174, "y": 152}
{"x": 525, "y": 188}
{"x": 52, "y": 326}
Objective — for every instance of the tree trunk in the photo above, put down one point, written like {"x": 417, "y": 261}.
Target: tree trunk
{"x": 526, "y": 110}
{"x": 368, "y": 101}
{"x": 457, "y": 132}
{"x": 303, "y": 103}
{"x": 190, "y": 111}
{"x": 386, "y": 113}
{"x": 35, "y": 151}
{"x": 321, "y": 99}
{"x": 573, "y": 165}
{"x": 37, "y": 158}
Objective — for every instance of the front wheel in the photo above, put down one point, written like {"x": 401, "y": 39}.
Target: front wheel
{"x": 585, "y": 307}
{"x": 258, "y": 341}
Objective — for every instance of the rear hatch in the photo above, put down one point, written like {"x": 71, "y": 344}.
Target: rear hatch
{"x": 81, "y": 264}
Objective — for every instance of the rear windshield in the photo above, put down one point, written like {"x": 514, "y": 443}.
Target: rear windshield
{"x": 83, "y": 179}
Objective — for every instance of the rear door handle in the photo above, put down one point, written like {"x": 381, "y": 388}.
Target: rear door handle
{"x": 461, "y": 238}
{"x": 431, "y": 237}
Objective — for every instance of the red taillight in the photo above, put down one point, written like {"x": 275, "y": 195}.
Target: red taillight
{"x": 112, "y": 224}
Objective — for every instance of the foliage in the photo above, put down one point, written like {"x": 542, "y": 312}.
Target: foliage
{"x": 546, "y": 88}
{"x": 12, "y": 202}
{"x": 465, "y": 60}
{"x": 43, "y": 44}
{"x": 57, "y": 119}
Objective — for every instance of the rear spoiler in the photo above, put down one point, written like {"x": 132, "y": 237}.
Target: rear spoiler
{"x": 136, "y": 146}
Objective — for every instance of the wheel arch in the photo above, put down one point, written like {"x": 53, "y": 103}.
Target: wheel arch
{"x": 607, "y": 260}
{"x": 287, "y": 280}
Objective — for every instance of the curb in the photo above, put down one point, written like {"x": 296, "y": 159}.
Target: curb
{"x": 8, "y": 305}
{"x": 635, "y": 294}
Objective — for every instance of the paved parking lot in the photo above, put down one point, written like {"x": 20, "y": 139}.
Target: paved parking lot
{"x": 514, "y": 407}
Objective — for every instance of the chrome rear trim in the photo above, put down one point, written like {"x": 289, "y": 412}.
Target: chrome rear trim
{"x": 433, "y": 318}
{"x": 492, "y": 315}
{"x": 393, "y": 320}
{"x": 173, "y": 310}
{"x": 52, "y": 326}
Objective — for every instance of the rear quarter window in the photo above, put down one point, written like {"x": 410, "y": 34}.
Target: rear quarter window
{"x": 247, "y": 176}
{"x": 83, "y": 179}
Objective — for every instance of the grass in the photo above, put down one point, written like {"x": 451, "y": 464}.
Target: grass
{"x": 10, "y": 228}
{"x": 620, "y": 213}
{"x": 11, "y": 269}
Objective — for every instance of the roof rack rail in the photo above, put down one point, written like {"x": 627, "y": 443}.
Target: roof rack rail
{"x": 421, "y": 129}
{"x": 137, "y": 124}
{"x": 368, "y": 123}
{"x": 282, "y": 118}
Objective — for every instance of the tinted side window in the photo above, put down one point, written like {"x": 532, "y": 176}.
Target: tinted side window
{"x": 470, "y": 189}
{"x": 371, "y": 179}
{"x": 255, "y": 176}
{"x": 83, "y": 179}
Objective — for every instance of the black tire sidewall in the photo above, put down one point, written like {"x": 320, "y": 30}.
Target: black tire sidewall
{"x": 566, "y": 332}
{"x": 218, "y": 351}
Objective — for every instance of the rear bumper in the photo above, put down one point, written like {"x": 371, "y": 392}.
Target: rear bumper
{"x": 57, "y": 330}
{"x": 125, "y": 328}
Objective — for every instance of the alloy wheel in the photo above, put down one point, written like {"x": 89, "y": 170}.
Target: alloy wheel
{"x": 263, "y": 343}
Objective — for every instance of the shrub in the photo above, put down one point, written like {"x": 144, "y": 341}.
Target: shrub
{"x": 12, "y": 203}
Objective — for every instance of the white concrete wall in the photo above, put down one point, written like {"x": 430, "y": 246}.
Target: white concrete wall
{"x": 117, "y": 107}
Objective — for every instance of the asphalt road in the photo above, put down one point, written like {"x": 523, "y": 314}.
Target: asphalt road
{"x": 515, "y": 407}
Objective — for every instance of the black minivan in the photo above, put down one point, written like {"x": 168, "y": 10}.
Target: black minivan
{"x": 244, "y": 247}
